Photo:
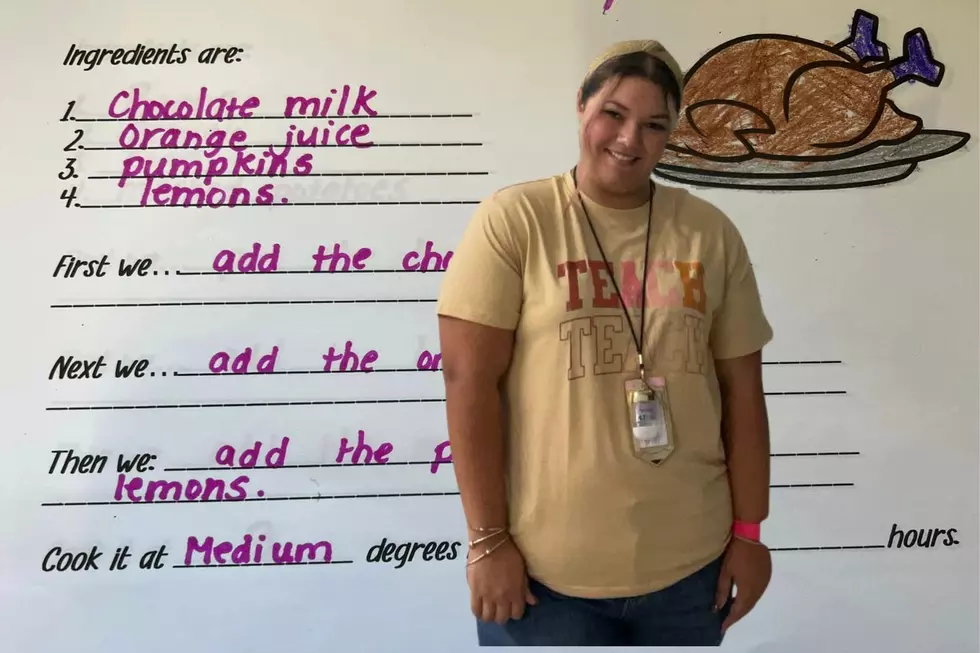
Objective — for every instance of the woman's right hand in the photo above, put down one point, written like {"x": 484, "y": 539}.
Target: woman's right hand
{"x": 498, "y": 584}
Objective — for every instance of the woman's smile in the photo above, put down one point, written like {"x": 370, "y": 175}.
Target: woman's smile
{"x": 621, "y": 160}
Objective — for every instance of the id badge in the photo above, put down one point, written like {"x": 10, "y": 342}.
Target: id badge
{"x": 650, "y": 419}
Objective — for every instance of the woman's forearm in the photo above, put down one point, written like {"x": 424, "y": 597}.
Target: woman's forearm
{"x": 745, "y": 431}
{"x": 748, "y": 469}
{"x": 477, "y": 443}
{"x": 475, "y": 359}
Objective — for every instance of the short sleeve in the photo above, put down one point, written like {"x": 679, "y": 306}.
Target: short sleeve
{"x": 739, "y": 326}
{"x": 484, "y": 282}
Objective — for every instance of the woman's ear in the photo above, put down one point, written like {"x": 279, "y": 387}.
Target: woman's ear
{"x": 579, "y": 106}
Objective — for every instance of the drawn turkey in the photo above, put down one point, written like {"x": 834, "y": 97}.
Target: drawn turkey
{"x": 784, "y": 97}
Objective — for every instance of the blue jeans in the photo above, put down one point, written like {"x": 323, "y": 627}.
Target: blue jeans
{"x": 678, "y": 615}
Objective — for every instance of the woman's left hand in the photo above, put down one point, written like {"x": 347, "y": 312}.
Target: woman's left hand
{"x": 749, "y": 566}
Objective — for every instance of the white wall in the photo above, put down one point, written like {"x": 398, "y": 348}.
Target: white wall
{"x": 883, "y": 279}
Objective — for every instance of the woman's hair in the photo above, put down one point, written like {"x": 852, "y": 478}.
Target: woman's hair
{"x": 635, "y": 64}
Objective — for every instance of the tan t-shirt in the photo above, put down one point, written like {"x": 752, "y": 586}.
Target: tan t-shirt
{"x": 592, "y": 519}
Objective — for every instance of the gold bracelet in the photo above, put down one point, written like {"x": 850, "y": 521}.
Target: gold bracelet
{"x": 484, "y": 530}
{"x": 488, "y": 551}
{"x": 486, "y": 537}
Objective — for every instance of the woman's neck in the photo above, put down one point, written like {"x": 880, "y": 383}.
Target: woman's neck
{"x": 589, "y": 186}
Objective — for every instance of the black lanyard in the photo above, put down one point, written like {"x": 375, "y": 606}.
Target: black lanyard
{"x": 612, "y": 275}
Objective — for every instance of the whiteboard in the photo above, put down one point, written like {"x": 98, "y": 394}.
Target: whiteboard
{"x": 871, "y": 285}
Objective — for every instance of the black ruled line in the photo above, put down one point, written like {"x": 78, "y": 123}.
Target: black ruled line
{"x": 309, "y": 174}
{"x": 395, "y": 463}
{"x": 276, "y": 206}
{"x": 395, "y": 369}
{"x": 809, "y": 485}
{"x": 829, "y": 548}
{"x": 250, "y": 404}
{"x": 416, "y": 370}
{"x": 815, "y": 453}
{"x": 273, "y": 404}
{"x": 415, "y": 116}
{"x": 270, "y": 302}
{"x": 845, "y": 547}
{"x": 313, "y": 497}
{"x": 266, "y": 564}
{"x": 813, "y": 362}
{"x": 404, "y": 463}
{"x": 281, "y": 146}
{"x": 201, "y": 273}
{"x": 796, "y": 393}
{"x": 292, "y": 372}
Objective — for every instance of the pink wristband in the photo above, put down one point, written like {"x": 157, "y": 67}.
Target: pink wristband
{"x": 746, "y": 530}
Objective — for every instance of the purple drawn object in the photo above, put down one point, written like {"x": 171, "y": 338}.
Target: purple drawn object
{"x": 863, "y": 40}
{"x": 917, "y": 62}
{"x": 607, "y": 5}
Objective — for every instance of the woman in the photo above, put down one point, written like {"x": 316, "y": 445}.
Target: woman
{"x": 612, "y": 498}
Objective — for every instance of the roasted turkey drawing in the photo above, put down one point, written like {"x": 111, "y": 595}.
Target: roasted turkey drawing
{"x": 773, "y": 111}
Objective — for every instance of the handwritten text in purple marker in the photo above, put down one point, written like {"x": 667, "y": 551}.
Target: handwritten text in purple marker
{"x": 211, "y": 489}
{"x": 223, "y": 362}
{"x": 349, "y": 359}
{"x": 250, "y": 456}
{"x": 254, "y": 260}
{"x": 320, "y": 107}
{"x": 139, "y": 137}
{"x": 243, "y": 163}
{"x": 442, "y": 456}
{"x": 206, "y": 551}
{"x": 214, "y": 197}
{"x": 326, "y": 136}
{"x": 428, "y": 361}
{"x": 371, "y": 455}
{"x": 131, "y": 106}
{"x": 338, "y": 258}
{"x": 430, "y": 259}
